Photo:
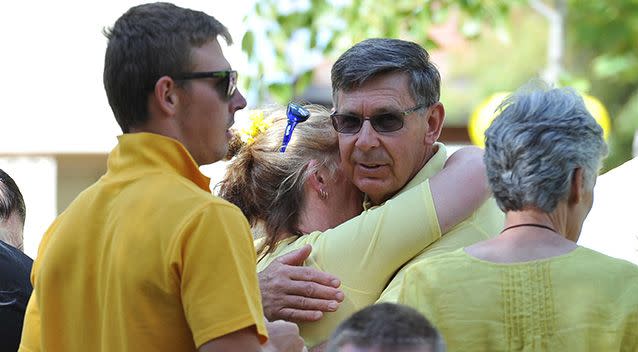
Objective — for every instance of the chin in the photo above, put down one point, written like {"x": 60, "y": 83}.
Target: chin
{"x": 375, "y": 189}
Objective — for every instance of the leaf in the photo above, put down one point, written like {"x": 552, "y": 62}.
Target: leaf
{"x": 471, "y": 28}
{"x": 606, "y": 66}
{"x": 248, "y": 43}
{"x": 280, "y": 92}
{"x": 302, "y": 82}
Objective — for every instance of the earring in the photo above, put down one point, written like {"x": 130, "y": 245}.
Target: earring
{"x": 323, "y": 194}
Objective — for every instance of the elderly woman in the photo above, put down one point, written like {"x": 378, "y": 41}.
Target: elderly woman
{"x": 532, "y": 288}
{"x": 301, "y": 195}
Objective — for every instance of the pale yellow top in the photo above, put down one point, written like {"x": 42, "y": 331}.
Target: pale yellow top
{"x": 483, "y": 224}
{"x": 367, "y": 250}
{"x": 146, "y": 259}
{"x": 580, "y": 301}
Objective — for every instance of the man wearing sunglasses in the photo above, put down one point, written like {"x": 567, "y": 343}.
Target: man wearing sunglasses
{"x": 147, "y": 259}
{"x": 388, "y": 117}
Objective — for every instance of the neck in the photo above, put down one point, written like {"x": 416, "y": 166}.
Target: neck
{"x": 534, "y": 220}
{"x": 309, "y": 220}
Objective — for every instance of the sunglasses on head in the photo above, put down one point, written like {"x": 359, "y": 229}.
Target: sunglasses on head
{"x": 228, "y": 81}
{"x": 385, "y": 122}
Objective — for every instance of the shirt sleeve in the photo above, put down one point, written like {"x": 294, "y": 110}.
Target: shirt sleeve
{"x": 30, "y": 341}
{"x": 484, "y": 224}
{"x": 31, "y": 330}
{"x": 367, "y": 250}
{"x": 215, "y": 261}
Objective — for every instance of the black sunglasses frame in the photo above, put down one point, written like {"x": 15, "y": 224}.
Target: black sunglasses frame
{"x": 229, "y": 76}
{"x": 375, "y": 125}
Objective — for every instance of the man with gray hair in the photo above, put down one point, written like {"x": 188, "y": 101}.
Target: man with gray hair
{"x": 12, "y": 212}
{"x": 386, "y": 327}
{"x": 388, "y": 117}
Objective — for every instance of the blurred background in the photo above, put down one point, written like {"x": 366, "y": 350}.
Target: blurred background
{"x": 57, "y": 127}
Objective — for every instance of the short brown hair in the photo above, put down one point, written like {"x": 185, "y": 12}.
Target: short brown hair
{"x": 147, "y": 42}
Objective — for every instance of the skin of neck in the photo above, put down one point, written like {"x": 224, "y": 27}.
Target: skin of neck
{"x": 526, "y": 243}
{"x": 310, "y": 218}
{"x": 561, "y": 220}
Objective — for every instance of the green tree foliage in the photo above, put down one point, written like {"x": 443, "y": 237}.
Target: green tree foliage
{"x": 603, "y": 37}
{"x": 286, "y": 39}
{"x": 288, "y": 30}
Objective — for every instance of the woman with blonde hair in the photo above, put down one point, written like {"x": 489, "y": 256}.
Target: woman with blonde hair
{"x": 301, "y": 196}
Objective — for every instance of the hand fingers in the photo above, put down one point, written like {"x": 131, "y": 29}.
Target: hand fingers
{"x": 297, "y": 304}
{"x": 300, "y": 316}
{"x": 282, "y": 327}
{"x": 285, "y": 336}
{"x": 312, "y": 290}
{"x": 311, "y": 275}
{"x": 295, "y": 257}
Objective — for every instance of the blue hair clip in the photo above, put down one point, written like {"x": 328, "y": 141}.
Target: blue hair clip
{"x": 296, "y": 114}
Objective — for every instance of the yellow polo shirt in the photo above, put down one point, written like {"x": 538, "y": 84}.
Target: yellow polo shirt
{"x": 146, "y": 259}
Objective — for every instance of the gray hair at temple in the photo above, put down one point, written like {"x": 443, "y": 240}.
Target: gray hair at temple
{"x": 374, "y": 57}
{"x": 12, "y": 209}
{"x": 386, "y": 327}
{"x": 534, "y": 145}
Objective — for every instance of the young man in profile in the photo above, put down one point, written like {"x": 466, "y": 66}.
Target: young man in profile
{"x": 146, "y": 259}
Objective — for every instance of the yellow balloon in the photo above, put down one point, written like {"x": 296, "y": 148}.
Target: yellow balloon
{"x": 599, "y": 112}
{"x": 483, "y": 116}
{"x": 485, "y": 113}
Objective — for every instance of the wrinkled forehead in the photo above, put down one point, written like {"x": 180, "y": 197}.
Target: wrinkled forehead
{"x": 388, "y": 92}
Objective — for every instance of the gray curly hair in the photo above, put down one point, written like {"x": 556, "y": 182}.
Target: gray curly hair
{"x": 534, "y": 145}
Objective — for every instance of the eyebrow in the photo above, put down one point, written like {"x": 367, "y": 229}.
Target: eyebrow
{"x": 379, "y": 111}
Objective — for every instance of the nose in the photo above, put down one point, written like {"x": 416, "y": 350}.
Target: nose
{"x": 367, "y": 138}
{"x": 237, "y": 101}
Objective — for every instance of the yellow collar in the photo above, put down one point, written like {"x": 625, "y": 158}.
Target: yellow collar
{"x": 145, "y": 152}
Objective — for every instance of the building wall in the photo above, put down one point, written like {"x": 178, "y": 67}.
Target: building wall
{"x": 36, "y": 176}
{"x": 75, "y": 173}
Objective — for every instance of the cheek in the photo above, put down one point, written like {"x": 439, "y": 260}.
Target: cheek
{"x": 346, "y": 143}
{"x": 346, "y": 165}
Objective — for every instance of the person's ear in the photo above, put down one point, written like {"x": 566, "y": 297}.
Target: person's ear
{"x": 317, "y": 181}
{"x": 434, "y": 121}
{"x": 577, "y": 188}
{"x": 165, "y": 95}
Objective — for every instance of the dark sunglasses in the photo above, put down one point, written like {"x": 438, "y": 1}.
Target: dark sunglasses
{"x": 386, "y": 122}
{"x": 228, "y": 82}
{"x": 296, "y": 114}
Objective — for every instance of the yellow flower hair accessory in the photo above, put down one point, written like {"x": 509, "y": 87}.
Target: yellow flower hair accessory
{"x": 258, "y": 124}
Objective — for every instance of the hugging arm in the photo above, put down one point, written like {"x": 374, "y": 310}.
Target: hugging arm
{"x": 297, "y": 293}
{"x": 460, "y": 187}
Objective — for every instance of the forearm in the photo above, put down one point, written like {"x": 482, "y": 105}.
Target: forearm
{"x": 365, "y": 251}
